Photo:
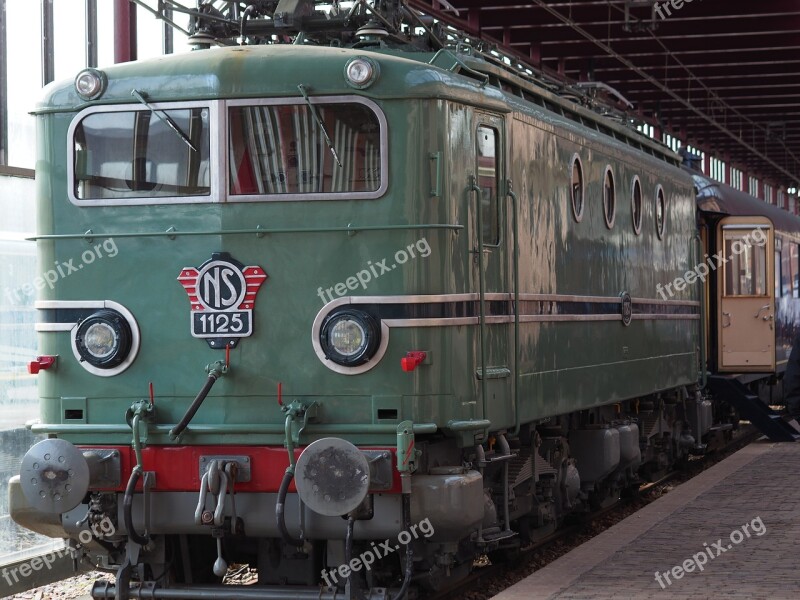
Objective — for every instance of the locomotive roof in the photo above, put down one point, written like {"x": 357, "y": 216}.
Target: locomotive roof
{"x": 715, "y": 197}
{"x": 240, "y": 72}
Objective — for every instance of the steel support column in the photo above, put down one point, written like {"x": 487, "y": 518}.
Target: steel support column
{"x": 48, "y": 59}
{"x": 91, "y": 33}
{"x": 168, "y": 44}
{"x": 3, "y": 87}
{"x": 124, "y": 31}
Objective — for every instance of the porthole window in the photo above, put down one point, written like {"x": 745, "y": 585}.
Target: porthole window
{"x": 661, "y": 212}
{"x": 576, "y": 188}
{"x": 609, "y": 198}
{"x": 636, "y": 205}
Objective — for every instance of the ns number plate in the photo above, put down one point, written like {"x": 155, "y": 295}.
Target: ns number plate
{"x": 212, "y": 324}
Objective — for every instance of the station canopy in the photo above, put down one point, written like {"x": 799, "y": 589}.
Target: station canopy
{"x": 721, "y": 76}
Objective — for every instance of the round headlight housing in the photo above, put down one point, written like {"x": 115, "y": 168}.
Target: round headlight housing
{"x": 104, "y": 339}
{"x": 90, "y": 84}
{"x": 361, "y": 72}
{"x": 350, "y": 337}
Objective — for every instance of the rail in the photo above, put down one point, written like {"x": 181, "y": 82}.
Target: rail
{"x": 35, "y": 570}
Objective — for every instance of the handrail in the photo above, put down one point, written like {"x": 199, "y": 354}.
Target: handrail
{"x": 257, "y": 231}
{"x": 703, "y": 342}
{"x": 458, "y": 62}
{"x": 475, "y": 425}
{"x": 515, "y": 266}
{"x": 229, "y": 429}
{"x": 473, "y": 187}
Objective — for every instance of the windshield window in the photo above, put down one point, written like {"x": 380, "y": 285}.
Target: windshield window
{"x": 285, "y": 149}
{"x": 136, "y": 154}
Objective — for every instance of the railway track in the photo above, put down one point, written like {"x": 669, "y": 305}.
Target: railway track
{"x": 490, "y": 578}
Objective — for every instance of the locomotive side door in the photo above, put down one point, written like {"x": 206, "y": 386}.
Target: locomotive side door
{"x": 746, "y": 294}
{"x": 490, "y": 272}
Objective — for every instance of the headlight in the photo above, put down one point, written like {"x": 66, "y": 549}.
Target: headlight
{"x": 104, "y": 339}
{"x": 350, "y": 337}
{"x": 90, "y": 84}
{"x": 361, "y": 72}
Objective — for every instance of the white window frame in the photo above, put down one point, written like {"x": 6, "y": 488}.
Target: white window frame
{"x": 219, "y": 135}
{"x": 299, "y": 100}
{"x": 213, "y": 157}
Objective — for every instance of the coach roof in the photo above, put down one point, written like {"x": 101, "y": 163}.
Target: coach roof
{"x": 715, "y": 197}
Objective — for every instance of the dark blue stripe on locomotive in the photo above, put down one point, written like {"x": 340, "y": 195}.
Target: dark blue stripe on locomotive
{"x": 505, "y": 308}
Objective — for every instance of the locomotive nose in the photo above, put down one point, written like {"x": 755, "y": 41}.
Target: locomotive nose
{"x": 54, "y": 476}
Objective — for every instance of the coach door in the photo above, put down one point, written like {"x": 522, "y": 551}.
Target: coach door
{"x": 746, "y": 294}
{"x": 490, "y": 241}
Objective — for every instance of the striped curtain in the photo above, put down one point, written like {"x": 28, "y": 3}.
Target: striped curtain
{"x": 282, "y": 150}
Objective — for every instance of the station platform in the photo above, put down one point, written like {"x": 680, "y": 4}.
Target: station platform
{"x": 730, "y": 532}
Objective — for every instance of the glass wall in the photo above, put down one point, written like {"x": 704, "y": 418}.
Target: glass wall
{"x": 26, "y": 24}
{"x": 28, "y": 59}
{"x": 18, "y": 398}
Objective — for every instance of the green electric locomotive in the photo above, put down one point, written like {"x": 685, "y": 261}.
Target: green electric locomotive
{"x": 415, "y": 282}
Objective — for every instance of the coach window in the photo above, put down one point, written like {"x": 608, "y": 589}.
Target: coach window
{"x": 746, "y": 266}
{"x": 576, "y": 188}
{"x": 794, "y": 286}
{"x": 636, "y": 205}
{"x": 786, "y": 271}
{"x": 661, "y": 212}
{"x": 609, "y": 198}
{"x": 487, "y": 153}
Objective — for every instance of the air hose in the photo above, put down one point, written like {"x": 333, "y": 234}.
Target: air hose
{"x": 127, "y": 500}
{"x": 409, "y": 551}
{"x": 279, "y": 510}
{"x": 127, "y": 507}
{"x": 292, "y": 411}
{"x": 348, "y": 555}
{"x": 215, "y": 371}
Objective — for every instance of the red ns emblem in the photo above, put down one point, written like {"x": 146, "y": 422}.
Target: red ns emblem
{"x": 222, "y": 293}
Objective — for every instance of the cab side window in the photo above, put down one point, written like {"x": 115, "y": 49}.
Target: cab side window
{"x": 487, "y": 164}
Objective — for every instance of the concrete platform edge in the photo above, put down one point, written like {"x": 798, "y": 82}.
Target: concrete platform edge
{"x": 550, "y": 580}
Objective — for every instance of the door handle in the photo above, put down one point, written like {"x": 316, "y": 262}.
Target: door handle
{"x": 726, "y": 314}
{"x": 436, "y": 179}
{"x": 765, "y": 307}
{"x": 473, "y": 187}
